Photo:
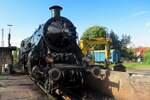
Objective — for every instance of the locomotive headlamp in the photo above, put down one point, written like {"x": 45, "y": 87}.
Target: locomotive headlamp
{"x": 54, "y": 74}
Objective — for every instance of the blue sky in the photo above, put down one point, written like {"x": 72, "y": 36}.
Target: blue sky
{"x": 122, "y": 16}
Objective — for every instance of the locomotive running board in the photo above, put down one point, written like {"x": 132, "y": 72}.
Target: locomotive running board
{"x": 68, "y": 66}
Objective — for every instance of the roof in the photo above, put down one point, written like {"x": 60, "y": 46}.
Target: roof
{"x": 141, "y": 50}
{"x": 8, "y": 48}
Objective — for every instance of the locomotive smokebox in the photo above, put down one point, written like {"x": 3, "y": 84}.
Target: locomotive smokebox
{"x": 55, "y": 10}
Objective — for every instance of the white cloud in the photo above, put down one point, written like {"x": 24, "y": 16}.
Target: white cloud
{"x": 147, "y": 24}
{"x": 139, "y": 13}
{"x": 136, "y": 14}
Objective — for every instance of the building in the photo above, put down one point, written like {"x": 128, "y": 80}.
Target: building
{"x": 6, "y": 58}
{"x": 141, "y": 50}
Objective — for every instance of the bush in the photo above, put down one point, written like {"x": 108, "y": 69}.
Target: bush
{"x": 147, "y": 57}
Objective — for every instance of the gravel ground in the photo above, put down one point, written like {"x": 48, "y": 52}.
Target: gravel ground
{"x": 141, "y": 85}
{"x": 19, "y": 88}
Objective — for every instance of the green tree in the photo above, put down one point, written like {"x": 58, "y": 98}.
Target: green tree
{"x": 15, "y": 55}
{"x": 116, "y": 44}
{"x": 125, "y": 41}
{"x": 147, "y": 57}
{"x": 121, "y": 45}
{"x": 130, "y": 54}
{"x": 94, "y": 32}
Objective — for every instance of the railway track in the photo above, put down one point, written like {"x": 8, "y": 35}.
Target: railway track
{"x": 59, "y": 94}
{"x": 82, "y": 94}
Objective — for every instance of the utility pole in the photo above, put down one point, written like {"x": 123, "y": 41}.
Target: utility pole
{"x": 2, "y": 56}
{"x": 2, "y": 42}
{"x": 9, "y": 34}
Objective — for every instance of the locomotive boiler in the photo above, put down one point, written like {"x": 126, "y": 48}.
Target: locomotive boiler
{"x": 52, "y": 56}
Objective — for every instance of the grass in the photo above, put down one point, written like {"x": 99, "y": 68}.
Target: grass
{"x": 134, "y": 65}
{"x": 1, "y": 77}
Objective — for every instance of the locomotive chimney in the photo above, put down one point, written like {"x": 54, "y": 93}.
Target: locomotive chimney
{"x": 55, "y": 10}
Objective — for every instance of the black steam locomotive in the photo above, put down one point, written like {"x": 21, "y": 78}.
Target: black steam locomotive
{"x": 52, "y": 56}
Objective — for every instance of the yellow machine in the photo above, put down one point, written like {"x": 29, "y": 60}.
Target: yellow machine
{"x": 85, "y": 47}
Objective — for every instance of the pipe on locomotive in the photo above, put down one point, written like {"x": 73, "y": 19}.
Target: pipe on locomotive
{"x": 95, "y": 71}
{"x": 55, "y": 11}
